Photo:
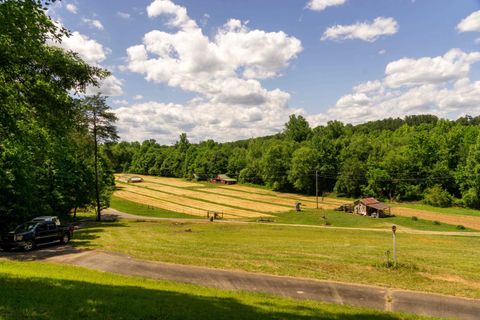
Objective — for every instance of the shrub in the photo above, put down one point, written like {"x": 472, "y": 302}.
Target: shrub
{"x": 471, "y": 199}
{"x": 438, "y": 197}
{"x": 460, "y": 227}
{"x": 414, "y": 218}
{"x": 436, "y": 223}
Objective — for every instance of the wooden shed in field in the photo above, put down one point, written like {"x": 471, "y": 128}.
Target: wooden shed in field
{"x": 131, "y": 179}
{"x": 371, "y": 207}
{"x": 224, "y": 179}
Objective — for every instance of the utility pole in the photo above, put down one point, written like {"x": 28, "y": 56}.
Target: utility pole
{"x": 316, "y": 185}
{"x": 394, "y": 229}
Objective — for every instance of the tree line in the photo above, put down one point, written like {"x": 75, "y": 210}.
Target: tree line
{"x": 420, "y": 157}
{"x": 48, "y": 133}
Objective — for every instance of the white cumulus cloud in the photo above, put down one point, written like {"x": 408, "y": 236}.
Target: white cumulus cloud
{"x": 470, "y": 23}
{"x": 72, "y": 8}
{"x": 94, "y": 54}
{"x": 366, "y": 31}
{"x": 110, "y": 86}
{"x": 434, "y": 85}
{"x": 88, "y": 49}
{"x": 93, "y": 23}
{"x": 225, "y": 71}
{"x": 319, "y": 5}
{"x": 454, "y": 64}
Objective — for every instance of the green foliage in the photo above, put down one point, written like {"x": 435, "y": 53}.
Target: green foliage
{"x": 395, "y": 159}
{"x": 46, "y": 154}
{"x": 437, "y": 197}
{"x": 297, "y": 128}
{"x": 304, "y": 161}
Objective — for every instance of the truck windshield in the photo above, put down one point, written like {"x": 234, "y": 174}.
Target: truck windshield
{"x": 24, "y": 227}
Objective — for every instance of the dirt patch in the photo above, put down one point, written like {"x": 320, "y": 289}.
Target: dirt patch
{"x": 452, "y": 278}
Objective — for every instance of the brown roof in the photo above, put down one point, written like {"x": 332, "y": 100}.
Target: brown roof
{"x": 369, "y": 201}
{"x": 378, "y": 206}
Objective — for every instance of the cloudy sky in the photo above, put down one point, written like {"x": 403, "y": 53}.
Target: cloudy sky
{"x": 229, "y": 69}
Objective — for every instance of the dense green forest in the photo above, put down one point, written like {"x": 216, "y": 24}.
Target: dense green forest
{"x": 47, "y": 134}
{"x": 419, "y": 157}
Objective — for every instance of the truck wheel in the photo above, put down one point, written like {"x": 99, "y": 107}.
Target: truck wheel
{"x": 65, "y": 239}
{"x": 29, "y": 245}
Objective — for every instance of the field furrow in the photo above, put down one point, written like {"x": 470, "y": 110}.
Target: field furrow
{"x": 181, "y": 199}
{"x": 216, "y": 198}
{"x": 159, "y": 203}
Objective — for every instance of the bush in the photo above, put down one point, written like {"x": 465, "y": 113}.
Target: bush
{"x": 438, "y": 197}
{"x": 471, "y": 199}
{"x": 460, "y": 227}
{"x": 437, "y": 223}
{"x": 414, "y": 218}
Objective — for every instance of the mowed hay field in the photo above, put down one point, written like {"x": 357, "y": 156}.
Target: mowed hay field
{"x": 234, "y": 201}
{"x": 454, "y": 219}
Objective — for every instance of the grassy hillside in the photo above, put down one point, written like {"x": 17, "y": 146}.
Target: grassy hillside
{"x": 435, "y": 263}
{"x": 32, "y": 290}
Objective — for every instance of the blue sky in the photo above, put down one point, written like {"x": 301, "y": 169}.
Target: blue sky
{"x": 276, "y": 58}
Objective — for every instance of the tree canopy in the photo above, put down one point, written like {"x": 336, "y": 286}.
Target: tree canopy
{"x": 397, "y": 159}
{"x": 46, "y": 164}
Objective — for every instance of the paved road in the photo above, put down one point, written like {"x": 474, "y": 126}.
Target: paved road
{"x": 113, "y": 214}
{"x": 298, "y": 288}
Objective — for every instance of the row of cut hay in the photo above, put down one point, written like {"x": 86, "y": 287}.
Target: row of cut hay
{"x": 199, "y": 204}
{"x": 170, "y": 181}
{"x": 467, "y": 221}
{"x": 308, "y": 201}
{"x": 158, "y": 203}
{"x": 290, "y": 203}
{"x": 218, "y": 199}
{"x": 286, "y": 200}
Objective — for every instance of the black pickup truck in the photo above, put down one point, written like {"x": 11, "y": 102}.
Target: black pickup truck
{"x": 39, "y": 231}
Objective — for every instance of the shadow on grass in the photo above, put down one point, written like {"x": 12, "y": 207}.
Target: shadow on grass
{"x": 65, "y": 299}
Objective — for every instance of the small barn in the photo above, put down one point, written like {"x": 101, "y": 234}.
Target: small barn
{"x": 130, "y": 179}
{"x": 224, "y": 179}
{"x": 371, "y": 207}
{"x": 135, "y": 179}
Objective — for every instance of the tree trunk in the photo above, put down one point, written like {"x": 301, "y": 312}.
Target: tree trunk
{"x": 97, "y": 191}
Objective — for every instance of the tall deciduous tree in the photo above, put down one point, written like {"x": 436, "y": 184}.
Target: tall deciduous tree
{"x": 38, "y": 116}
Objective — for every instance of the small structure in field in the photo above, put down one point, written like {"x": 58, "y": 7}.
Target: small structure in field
{"x": 199, "y": 177}
{"x": 130, "y": 179}
{"x": 348, "y": 207}
{"x": 223, "y": 179}
{"x": 371, "y": 207}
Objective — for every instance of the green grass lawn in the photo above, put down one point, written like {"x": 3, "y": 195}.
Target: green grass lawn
{"x": 343, "y": 219}
{"x": 144, "y": 210}
{"x": 35, "y": 290}
{"x": 431, "y": 263}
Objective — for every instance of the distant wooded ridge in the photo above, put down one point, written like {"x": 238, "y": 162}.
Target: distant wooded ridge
{"x": 420, "y": 157}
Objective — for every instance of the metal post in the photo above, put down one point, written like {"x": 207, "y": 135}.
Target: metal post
{"x": 394, "y": 229}
{"x": 316, "y": 185}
